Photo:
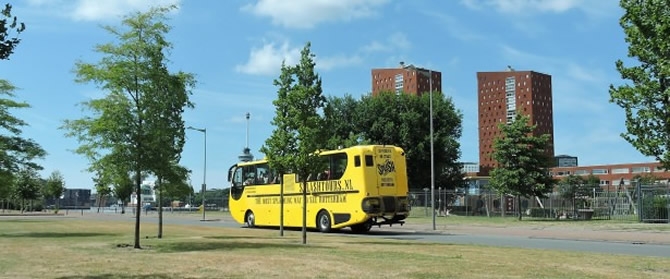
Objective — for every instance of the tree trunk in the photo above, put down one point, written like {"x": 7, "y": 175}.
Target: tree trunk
{"x": 518, "y": 206}
{"x": 574, "y": 208}
{"x": 281, "y": 204}
{"x": 138, "y": 207}
{"x": 304, "y": 210}
{"x": 99, "y": 202}
{"x": 160, "y": 207}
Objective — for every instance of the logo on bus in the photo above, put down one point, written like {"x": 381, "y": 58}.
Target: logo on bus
{"x": 386, "y": 167}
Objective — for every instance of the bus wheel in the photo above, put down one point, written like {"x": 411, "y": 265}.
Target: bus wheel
{"x": 362, "y": 227}
{"x": 250, "y": 219}
{"x": 323, "y": 221}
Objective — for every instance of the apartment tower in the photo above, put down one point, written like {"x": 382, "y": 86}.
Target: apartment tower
{"x": 405, "y": 78}
{"x": 501, "y": 95}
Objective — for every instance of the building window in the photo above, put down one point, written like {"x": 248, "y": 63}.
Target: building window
{"x": 599, "y": 171}
{"x": 641, "y": 169}
{"x": 620, "y": 170}
{"x": 582, "y": 172}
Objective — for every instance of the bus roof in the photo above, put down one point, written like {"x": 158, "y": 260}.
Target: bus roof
{"x": 323, "y": 152}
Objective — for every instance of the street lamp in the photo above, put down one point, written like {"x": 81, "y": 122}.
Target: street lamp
{"x": 204, "y": 171}
{"x": 432, "y": 152}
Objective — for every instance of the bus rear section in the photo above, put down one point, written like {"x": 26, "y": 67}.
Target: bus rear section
{"x": 386, "y": 181}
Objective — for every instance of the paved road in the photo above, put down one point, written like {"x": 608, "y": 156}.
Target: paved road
{"x": 417, "y": 233}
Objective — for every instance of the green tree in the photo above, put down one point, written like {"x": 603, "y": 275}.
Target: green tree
{"x": 646, "y": 178}
{"x": 102, "y": 189}
{"x": 54, "y": 187}
{"x": 646, "y": 99}
{"x": 298, "y": 126}
{"x": 127, "y": 119}
{"x": 122, "y": 187}
{"x": 8, "y": 25}
{"x": 27, "y": 186}
{"x": 171, "y": 181}
{"x": 574, "y": 187}
{"x": 16, "y": 152}
{"x": 341, "y": 116}
{"x": 523, "y": 164}
{"x": 401, "y": 119}
{"x": 593, "y": 182}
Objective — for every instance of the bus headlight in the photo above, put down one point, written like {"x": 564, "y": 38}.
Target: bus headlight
{"x": 371, "y": 205}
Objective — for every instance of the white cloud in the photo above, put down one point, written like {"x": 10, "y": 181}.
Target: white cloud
{"x": 395, "y": 41}
{"x": 267, "y": 59}
{"x": 95, "y": 10}
{"x": 309, "y": 13}
{"x": 529, "y": 7}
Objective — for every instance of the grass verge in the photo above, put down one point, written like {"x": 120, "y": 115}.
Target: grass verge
{"x": 74, "y": 248}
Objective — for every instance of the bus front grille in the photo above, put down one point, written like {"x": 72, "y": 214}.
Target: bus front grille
{"x": 389, "y": 204}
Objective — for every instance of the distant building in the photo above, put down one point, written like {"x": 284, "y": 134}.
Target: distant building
{"x": 565, "y": 161}
{"x": 406, "y": 78}
{"x": 148, "y": 194}
{"x": 74, "y": 199}
{"x": 470, "y": 167}
{"x": 501, "y": 96}
{"x": 613, "y": 175}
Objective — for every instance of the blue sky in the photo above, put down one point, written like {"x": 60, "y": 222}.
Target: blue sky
{"x": 235, "y": 49}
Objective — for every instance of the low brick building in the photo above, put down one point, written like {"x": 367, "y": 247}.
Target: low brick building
{"x": 612, "y": 175}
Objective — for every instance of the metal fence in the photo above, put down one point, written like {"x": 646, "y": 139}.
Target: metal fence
{"x": 622, "y": 204}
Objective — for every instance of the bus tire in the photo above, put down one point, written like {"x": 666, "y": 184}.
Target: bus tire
{"x": 250, "y": 219}
{"x": 323, "y": 222}
{"x": 362, "y": 227}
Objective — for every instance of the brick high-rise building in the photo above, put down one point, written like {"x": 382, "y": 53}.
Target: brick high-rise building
{"x": 406, "y": 78}
{"x": 501, "y": 95}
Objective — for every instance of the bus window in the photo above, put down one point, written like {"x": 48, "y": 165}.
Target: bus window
{"x": 338, "y": 164}
{"x": 357, "y": 161}
{"x": 263, "y": 174}
{"x": 249, "y": 175}
{"x": 237, "y": 178}
{"x": 322, "y": 170}
{"x": 368, "y": 161}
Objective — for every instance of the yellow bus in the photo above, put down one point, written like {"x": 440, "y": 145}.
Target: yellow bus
{"x": 358, "y": 187}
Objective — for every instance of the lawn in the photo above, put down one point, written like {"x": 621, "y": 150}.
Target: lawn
{"x": 419, "y": 217}
{"x": 63, "y": 247}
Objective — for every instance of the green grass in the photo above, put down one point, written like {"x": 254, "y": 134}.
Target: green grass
{"x": 56, "y": 247}
{"x": 418, "y": 217}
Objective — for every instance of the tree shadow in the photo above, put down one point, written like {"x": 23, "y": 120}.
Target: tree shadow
{"x": 178, "y": 247}
{"x": 225, "y": 237}
{"x": 22, "y": 220}
{"x": 56, "y": 234}
{"x": 122, "y": 276}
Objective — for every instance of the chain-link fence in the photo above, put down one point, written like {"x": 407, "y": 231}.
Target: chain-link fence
{"x": 621, "y": 204}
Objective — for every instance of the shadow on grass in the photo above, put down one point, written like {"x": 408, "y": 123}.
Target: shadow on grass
{"x": 224, "y": 237}
{"x": 177, "y": 247}
{"x": 23, "y": 221}
{"x": 106, "y": 276}
{"x": 55, "y": 234}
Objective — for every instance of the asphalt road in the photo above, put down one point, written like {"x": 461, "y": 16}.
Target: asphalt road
{"x": 440, "y": 236}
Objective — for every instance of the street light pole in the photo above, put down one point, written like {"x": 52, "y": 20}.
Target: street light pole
{"x": 432, "y": 152}
{"x": 204, "y": 171}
